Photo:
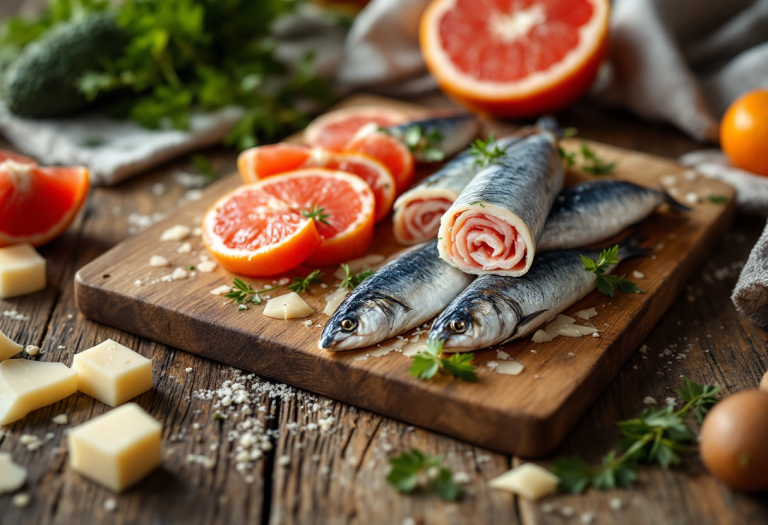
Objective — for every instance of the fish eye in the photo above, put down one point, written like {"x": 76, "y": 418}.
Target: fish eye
{"x": 348, "y": 325}
{"x": 458, "y": 326}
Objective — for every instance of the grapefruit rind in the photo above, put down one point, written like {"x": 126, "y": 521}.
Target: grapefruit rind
{"x": 63, "y": 223}
{"x": 577, "y": 69}
{"x": 320, "y": 124}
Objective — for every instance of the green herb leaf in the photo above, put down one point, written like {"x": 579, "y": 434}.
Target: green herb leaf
{"x": 428, "y": 363}
{"x": 300, "y": 285}
{"x": 606, "y": 283}
{"x": 570, "y": 158}
{"x": 717, "y": 199}
{"x": 594, "y": 164}
{"x": 204, "y": 167}
{"x": 406, "y": 467}
{"x": 351, "y": 280}
{"x": 316, "y": 214}
{"x": 460, "y": 365}
{"x": 486, "y": 151}
{"x": 656, "y": 436}
{"x": 424, "y": 145}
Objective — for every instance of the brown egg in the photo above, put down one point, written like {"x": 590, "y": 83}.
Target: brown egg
{"x": 734, "y": 439}
{"x": 764, "y": 383}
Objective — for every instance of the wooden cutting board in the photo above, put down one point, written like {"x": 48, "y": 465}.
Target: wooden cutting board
{"x": 527, "y": 414}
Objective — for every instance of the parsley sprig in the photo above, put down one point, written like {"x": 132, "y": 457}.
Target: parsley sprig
{"x": 428, "y": 363}
{"x": 486, "y": 151}
{"x": 316, "y": 214}
{"x": 407, "y": 470}
{"x": 606, "y": 283}
{"x": 242, "y": 292}
{"x": 422, "y": 144}
{"x": 655, "y": 436}
{"x": 594, "y": 164}
{"x": 717, "y": 199}
{"x": 591, "y": 162}
{"x": 352, "y": 280}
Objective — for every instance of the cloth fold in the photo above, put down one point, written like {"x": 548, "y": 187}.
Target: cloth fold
{"x": 751, "y": 292}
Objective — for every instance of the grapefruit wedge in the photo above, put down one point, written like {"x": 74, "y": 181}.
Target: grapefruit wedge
{"x": 265, "y": 161}
{"x": 387, "y": 149}
{"x": 313, "y": 216}
{"x": 37, "y": 203}
{"x": 333, "y": 130}
{"x": 515, "y": 59}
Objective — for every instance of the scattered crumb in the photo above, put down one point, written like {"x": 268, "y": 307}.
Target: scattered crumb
{"x": 187, "y": 370}
{"x": 178, "y": 274}
{"x": 32, "y": 350}
{"x": 61, "y": 419}
{"x": 638, "y": 275}
{"x": 587, "y": 517}
{"x": 175, "y": 233}
{"x": 462, "y": 478}
{"x": 21, "y": 500}
{"x": 206, "y": 266}
{"x": 184, "y": 248}
{"x": 691, "y": 198}
{"x": 668, "y": 180}
{"x": 158, "y": 261}
{"x": 283, "y": 460}
{"x": 650, "y": 401}
{"x": 110, "y": 505}
{"x": 221, "y": 290}
{"x": 511, "y": 368}
{"x": 615, "y": 503}
{"x": 671, "y": 401}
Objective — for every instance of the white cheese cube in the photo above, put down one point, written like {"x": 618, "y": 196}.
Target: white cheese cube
{"x": 528, "y": 480}
{"x": 288, "y": 306}
{"x": 12, "y": 476}
{"x": 22, "y": 271}
{"x": 8, "y": 348}
{"x": 28, "y": 385}
{"x": 118, "y": 448}
{"x": 112, "y": 373}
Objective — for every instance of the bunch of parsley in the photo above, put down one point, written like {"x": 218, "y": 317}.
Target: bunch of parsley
{"x": 187, "y": 55}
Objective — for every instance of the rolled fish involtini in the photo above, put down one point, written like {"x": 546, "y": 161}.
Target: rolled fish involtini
{"x": 495, "y": 224}
{"x": 418, "y": 211}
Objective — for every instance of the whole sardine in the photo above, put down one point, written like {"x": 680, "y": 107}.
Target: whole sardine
{"x": 593, "y": 211}
{"x": 495, "y": 224}
{"x": 495, "y": 309}
{"x": 400, "y": 296}
{"x": 448, "y": 134}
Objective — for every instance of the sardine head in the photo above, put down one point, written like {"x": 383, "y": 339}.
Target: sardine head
{"x": 361, "y": 323}
{"x": 475, "y": 322}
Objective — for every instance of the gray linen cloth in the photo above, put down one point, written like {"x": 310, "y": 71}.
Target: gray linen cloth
{"x": 751, "y": 292}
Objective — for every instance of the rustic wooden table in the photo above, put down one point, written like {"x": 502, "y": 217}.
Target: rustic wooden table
{"x": 309, "y": 476}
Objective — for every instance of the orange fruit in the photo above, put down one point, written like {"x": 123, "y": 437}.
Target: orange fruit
{"x": 388, "y": 150}
{"x": 262, "y": 229}
{"x": 265, "y": 161}
{"x": 37, "y": 203}
{"x": 744, "y": 132}
{"x": 333, "y": 130}
{"x": 514, "y": 59}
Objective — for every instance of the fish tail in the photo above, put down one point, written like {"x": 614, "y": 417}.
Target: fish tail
{"x": 549, "y": 123}
{"x": 675, "y": 205}
{"x": 630, "y": 247}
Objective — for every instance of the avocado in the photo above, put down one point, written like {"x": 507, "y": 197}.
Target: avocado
{"x": 41, "y": 81}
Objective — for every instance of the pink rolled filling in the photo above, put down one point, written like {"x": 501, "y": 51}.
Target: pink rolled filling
{"x": 485, "y": 242}
{"x": 419, "y": 220}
